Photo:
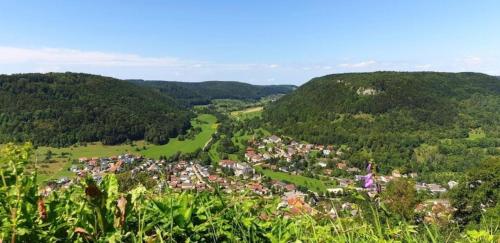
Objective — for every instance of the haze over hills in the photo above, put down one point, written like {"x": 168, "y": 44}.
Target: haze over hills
{"x": 200, "y": 93}
{"x": 388, "y": 114}
{"x": 61, "y": 109}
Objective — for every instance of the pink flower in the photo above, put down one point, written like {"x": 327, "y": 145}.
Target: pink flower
{"x": 368, "y": 180}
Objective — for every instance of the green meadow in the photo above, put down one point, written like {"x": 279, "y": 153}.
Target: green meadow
{"x": 208, "y": 125}
{"x": 311, "y": 183}
{"x": 248, "y": 113}
{"x": 62, "y": 158}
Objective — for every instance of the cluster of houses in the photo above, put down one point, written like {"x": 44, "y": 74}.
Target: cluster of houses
{"x": 185, "y": 175}
{"x": 275, "y": 147}
{"x": 98, "y": 166}
{"x": 240, "y": 169}
{"x": 190, "y": 175}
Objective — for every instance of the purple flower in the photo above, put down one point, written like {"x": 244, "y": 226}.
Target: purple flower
{"x": 368, "y": 180}
{"x": 368, "y": 183}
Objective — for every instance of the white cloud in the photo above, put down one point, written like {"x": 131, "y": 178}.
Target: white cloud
{"x": 358, "y": 65}
{"x": 55, "y": 56}
{"x": 125, "y": 65}
{"x": 423, "y": 66}
{"x": 472, "y": 60}
{"x": 122, "y": 65}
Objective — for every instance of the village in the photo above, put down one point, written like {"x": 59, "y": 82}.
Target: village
{"x": 272, "y": 153}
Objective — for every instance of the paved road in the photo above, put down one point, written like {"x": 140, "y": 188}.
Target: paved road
{"x": 200, "y": 178}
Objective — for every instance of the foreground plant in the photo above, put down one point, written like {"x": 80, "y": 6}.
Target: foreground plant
{"x": 91, "y": 212}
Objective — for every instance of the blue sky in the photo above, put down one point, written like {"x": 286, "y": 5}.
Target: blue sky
{"x": 254, "y": 41}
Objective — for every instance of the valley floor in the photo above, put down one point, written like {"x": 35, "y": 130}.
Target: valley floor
{"x": 62, "y": 158}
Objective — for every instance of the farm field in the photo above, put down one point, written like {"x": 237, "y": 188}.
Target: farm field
{"x": 248, "y": 113}
{"x": 311, "y": 183}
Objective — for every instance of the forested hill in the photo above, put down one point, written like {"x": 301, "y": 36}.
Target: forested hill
{"x": 388, "y": 114}
{"x": 60, "y": 109}
{"x": 201, "y": 93}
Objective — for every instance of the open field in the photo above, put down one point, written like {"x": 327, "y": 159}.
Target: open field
{"x": 208, "y": 125}
{"x": 58, "y": 167}
{"x": 477, "y": 133}
{"x": 248, "y": 113}
{"x": 311, "y": 183}
{"x": 206, "y": 122}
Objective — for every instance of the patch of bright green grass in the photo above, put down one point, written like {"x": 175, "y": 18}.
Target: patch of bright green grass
{"x": 311, "y": 183}
{"x": 59, "y": 167}
{"x": 476, "y": 134}
{"x": 208, "y": 125}
{"x": 248, "y": 113}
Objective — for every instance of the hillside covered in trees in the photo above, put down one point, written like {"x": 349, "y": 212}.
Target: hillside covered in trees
{"x": 201, "y": 93}
{"x": 61, "y": 109}
{"x": 388, "y": 116}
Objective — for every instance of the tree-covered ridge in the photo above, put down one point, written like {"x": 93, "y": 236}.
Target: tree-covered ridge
{"x": 386, "y": 115}
{"x": 60, "y": 109}
{"x": 201, "y": 93}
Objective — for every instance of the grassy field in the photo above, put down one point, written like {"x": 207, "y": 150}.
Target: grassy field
{"x": 58, "y": 167}
{"x": 205, "y": 121}
{"x": 311, "y": 183}
{"x": 475, "y": 134}
{"x": 208, "y": 125}
{"x": 248, "y": 113}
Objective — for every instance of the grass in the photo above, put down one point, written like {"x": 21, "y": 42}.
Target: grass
{"x": 59, "y": 166}
{"x": 311, "y": 183}
{"x": 476, "y": 134}
{"x": 248, "y": 113}
{"x": 212, "y": 152}
{"x": 237, "y": 139}
{"x": 208, "y": 125}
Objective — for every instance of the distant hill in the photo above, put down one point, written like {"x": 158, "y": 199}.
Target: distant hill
{"x": 60, "y": 109}
{"x": 200, "y": 93}
{"x": 388, "y": 113}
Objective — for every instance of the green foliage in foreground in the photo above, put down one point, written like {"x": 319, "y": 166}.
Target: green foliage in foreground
{"x": 88, "y": 212}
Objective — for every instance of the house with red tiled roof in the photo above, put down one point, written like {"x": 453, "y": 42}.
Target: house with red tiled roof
{"x": 227, "y": 164}
{"x": 290, "y": 187}
{"x": 116, "y": 167}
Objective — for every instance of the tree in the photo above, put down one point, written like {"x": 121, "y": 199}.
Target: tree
{"x": 478, "y": 192}
{"x": 400, "y": 197}
{"x": 48, "y": 155}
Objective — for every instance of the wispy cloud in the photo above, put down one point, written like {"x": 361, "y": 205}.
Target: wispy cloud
{"x": 423, "y": 66}
{"x": 126, "y": 65}
{"x": 472, "y": 60}
{"x": 57, "y": 56}
{"x": 358, "y": 65}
